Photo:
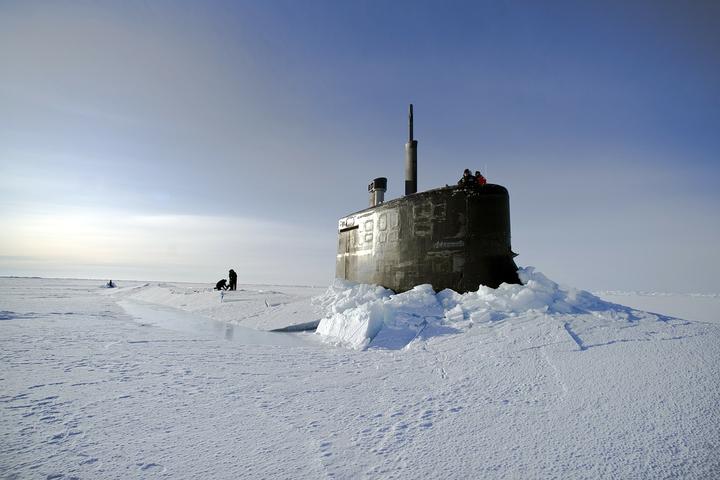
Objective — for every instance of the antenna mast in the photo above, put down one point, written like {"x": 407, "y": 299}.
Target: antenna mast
{"x": 410, "y": 158}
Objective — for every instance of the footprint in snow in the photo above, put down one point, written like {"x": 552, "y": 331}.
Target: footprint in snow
{"x": 325, "y": 449}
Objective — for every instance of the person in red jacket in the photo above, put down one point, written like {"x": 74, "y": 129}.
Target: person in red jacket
{"x": 479, "y": 178}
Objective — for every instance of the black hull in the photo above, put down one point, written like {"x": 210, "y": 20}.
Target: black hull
{"x": 448, "y": 237}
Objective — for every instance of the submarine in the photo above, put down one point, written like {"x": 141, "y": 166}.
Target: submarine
{"x": 450, "y": 237}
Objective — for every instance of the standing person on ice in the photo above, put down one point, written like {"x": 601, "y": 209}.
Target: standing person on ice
{"x": 233, "y": 280}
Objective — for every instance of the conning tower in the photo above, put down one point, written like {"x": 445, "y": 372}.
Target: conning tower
{"x": 449, "y": 237}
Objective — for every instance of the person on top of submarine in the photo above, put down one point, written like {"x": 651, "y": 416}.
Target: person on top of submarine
{"x": 467, "y": 179}
{"x": 479, "y": 178}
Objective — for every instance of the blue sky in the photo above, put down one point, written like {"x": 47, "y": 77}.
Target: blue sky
{"x": 174, "y": 140}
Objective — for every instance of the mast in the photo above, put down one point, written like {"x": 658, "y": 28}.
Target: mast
{"x": 410, "y": 158}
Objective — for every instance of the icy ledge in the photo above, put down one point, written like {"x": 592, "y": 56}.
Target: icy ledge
{"x": 365, "y": 316}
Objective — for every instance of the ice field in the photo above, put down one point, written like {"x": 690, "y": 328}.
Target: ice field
{"x": 161, "y": 380}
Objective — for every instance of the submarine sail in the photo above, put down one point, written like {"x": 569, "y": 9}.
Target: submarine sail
{"x": 451, "y": 237}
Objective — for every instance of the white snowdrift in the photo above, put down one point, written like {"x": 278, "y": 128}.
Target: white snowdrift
{"x": 253, "y": 307}
{"x": 362, "y": 316}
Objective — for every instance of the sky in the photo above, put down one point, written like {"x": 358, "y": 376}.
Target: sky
{"x": 175, "y": 140}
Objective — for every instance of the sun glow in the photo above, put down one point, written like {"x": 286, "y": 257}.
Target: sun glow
{"x": 109, "y": 239}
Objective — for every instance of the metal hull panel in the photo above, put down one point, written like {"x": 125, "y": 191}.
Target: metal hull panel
{"x": 448, "y": 237}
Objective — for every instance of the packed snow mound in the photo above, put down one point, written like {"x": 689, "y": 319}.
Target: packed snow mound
{"x": 367, "y": 316}
{"x": 343, "y": 295}
{"x": 537, "y": 293}
{"x": 259, "y": 308}
{"x": 188, "y": 298}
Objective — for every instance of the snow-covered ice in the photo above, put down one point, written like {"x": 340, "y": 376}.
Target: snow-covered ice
{"x": 153, "y": 380}
{"x": 364, "y": 316}
{"x": 693, "y": 306}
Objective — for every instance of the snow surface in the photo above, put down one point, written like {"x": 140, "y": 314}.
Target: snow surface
{"x": 365, "y": 316}
{"x": 153, "y": 380}
{"x": 693, "y": 306}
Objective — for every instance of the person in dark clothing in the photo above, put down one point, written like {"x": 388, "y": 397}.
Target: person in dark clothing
{"x": 480, "y": 179}
{"x": 467, "y": 180}
{"x": 221, "y": 285}
{"x": 233, "y": 280}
